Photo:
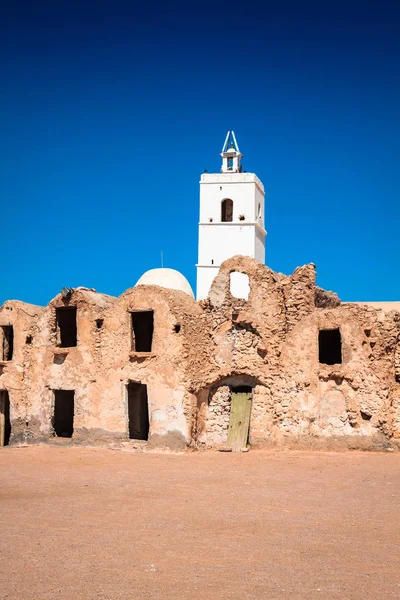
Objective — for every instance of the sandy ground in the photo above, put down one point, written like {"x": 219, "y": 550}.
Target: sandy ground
{"x": 104, "y": 524}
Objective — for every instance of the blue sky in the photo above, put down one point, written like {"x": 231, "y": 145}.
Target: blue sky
{"x": 110, "y": 111}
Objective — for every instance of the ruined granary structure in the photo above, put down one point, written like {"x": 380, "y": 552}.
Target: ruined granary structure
{"x": 154, "y": 368}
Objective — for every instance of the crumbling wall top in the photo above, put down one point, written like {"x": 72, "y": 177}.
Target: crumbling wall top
{"x": 82, "y": 295}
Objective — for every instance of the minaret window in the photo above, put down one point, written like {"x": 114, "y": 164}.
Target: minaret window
{"x": 227, "y": 210}
{"x": 230, "y": 163}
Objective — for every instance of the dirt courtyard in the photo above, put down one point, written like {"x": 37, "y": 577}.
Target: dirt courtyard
{"x": 80, "y": 523}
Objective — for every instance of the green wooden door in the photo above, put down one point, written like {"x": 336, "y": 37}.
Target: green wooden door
{"x": 239, "y": 422}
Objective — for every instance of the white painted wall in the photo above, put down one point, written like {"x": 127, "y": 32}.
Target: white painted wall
{"x": 205, "y": 277}
{"x": 219, "y": 241}
{"x": 245, "y": 189}
{"x": 259, "y": 249}
{"x": 260, "y": 204}
{"x": 245, "y": 235}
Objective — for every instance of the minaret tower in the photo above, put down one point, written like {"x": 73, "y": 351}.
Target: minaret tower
{"x": 231, "y": 216}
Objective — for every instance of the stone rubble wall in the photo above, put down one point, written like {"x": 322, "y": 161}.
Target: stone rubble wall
{"x": 219, "y": 410}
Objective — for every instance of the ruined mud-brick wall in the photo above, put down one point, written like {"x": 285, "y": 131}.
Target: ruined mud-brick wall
{"x": 99, "y": 366}
{"x": 17, "y": 357}
{"x": 270, "y": 341}
{"x": 41, "y": 366}
{"x": 201, "y": 351}
{"x": 219, "y": 408}
{"x": 172, "y": 409}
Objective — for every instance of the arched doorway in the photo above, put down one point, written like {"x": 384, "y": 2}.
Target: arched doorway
{"x": 224, "y": 413}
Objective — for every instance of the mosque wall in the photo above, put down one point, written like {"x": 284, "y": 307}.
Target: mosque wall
{"x": 153, "y": 368}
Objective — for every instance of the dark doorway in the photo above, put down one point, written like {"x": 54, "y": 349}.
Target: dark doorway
{"x": 138, "y": 411}
{"x": 330, "y": 347}
{"x": 63, "y": 420}
{"x": 242, "y": 389}
{"x": 7, "y": 342}
{"x": 142, "y": 330}
{"x": 227, "y": 210}
{"x": 66, "y": 327}
{"x": 5, "y": 423}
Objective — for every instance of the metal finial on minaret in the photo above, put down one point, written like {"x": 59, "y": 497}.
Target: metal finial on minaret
{"x": 231, "y": 155}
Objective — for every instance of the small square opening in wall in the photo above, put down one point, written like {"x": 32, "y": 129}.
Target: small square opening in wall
{"x": 142, "y": 330}
{"x": 330, "y": 347}
{"x": 66, "y": 327}
{"x": 7, "y": 342}
{"x": 63, "y": 419}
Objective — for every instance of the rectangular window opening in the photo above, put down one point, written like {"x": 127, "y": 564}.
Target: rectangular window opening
{"x": 66, "y": 327}
{"x": 330, "y": 347}
{"x": 7, "y": 342}
{"x": 142, "y": 330}
{"x": 63, "y": 419}
{"x": 138, "y": 411}
{"x": 5, "y": 423}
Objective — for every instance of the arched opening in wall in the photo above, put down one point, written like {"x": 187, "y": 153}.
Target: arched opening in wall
{"x": 138, "y": 411}
{"x": 229, "y": 410}
{"x": 227, "y": 210}
{"x": 239, "y": 285}
{"x": 259, "y": 211}
{"x": 5, "y": 423}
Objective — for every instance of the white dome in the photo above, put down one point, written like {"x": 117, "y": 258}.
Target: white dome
{"x": 166, "y": 278}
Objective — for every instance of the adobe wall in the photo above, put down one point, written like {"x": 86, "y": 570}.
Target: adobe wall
{"x": 99, "y": 368}
{"x": 271, "y": 341}
{"x": 200, "y": 352}
{"x": 162, "y": 370}
{"x": 19, "y": 376}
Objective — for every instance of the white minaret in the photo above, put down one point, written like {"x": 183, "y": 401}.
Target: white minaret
{"x": 231, "y": 216}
